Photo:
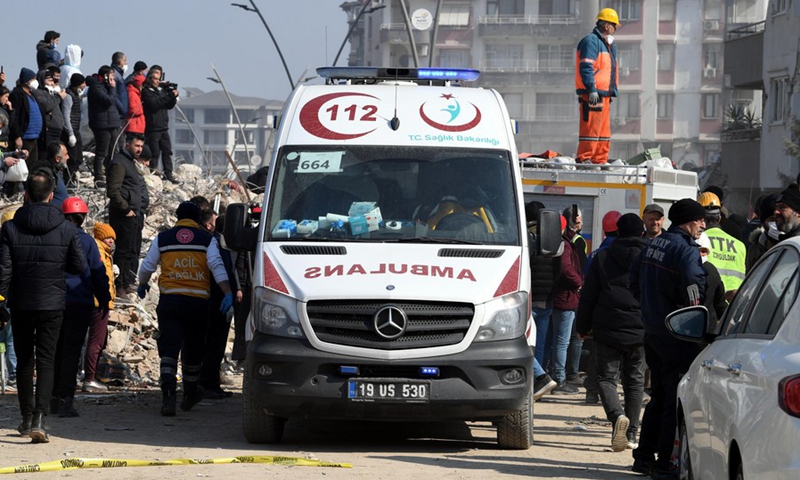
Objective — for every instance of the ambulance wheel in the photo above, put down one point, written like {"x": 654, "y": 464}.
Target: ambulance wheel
{"x": 515, "y": 430}
{"x": 259, "y": 426}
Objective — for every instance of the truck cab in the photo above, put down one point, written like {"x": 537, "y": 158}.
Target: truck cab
{"x": 391, "y": 272}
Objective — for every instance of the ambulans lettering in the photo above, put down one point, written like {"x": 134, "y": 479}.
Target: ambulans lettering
{"x": 390, "y": 268}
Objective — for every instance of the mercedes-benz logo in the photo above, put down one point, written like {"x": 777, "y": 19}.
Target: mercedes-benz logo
{"x": 390, "y": 322}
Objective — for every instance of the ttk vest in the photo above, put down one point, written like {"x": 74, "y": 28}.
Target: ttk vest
{"x": 728, "y": 254}
{"x": 184, "y": 268}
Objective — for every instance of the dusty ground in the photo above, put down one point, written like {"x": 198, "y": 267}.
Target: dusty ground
{"x": 570, "y": 443}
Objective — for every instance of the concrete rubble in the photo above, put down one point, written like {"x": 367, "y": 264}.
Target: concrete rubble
{"x": 133, "y": 323}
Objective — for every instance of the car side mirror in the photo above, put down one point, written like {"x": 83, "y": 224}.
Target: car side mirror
{"x": 689, "y": 324}
{"x": 548, "y": 239}
{"x": 238, "y": 233}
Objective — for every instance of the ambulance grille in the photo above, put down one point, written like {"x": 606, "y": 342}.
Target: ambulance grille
{"x": 470, "y": 253}
{"x": 313, "y": 250}
{"x": 350, "y": 322}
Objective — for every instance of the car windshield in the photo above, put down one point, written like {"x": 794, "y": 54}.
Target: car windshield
{"x": 393, "y": 194}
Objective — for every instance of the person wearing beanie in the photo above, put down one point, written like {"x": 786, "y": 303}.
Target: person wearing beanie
{"x": 71, "y": 111}
{"x": 139, "y": 68}
{"x": 767, "y": 234}
{"x": 188, "y": 256}
{"x": 47, "y": 50}
{"x": 142, "y": 166}
{"x": 666, "y": 276}
{"x": 27, "y": 122}
{"x": 610, "y": 313}
{"x": 787, "y": 213}
{"x": 80, "y": 312}
{"x": 135, "y": 119}
{"x": 104, "y": 237}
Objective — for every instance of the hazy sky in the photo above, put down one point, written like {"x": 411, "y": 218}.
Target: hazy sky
{"x": 183, "y": 36}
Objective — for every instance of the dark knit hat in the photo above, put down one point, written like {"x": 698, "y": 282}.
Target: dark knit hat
{"x": 685, "y": 211}
{"x": 76, "y": 79}
{"x": 630, "y": 225}
{"x": 188, "y": 210}
{"x": 146, "y": 153}
{"x": 532, "y": 210}
{"x": 26, "y": 75}
{"x": 140, "y": 65}
{"x": 790, "y": 197}
{"x": 766, "y": 207}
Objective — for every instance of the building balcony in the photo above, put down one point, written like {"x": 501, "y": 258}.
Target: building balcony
{"x": 741, "y": 151}
{"x": 528, "y": 25}
{"x": 744, "y": 56}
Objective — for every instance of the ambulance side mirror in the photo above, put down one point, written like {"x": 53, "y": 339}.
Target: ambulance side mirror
{"x": 239, "y": 235}
{"x": 548, "y": 239}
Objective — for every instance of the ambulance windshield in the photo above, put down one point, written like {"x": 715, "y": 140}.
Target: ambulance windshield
{"x": 390, "y": 193}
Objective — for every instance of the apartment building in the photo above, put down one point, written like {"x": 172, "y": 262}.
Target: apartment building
{"x": 670, "y": 57}
{"x": 204, "y": 126}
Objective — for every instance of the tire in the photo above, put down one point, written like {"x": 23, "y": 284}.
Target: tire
{"x": 515, "y": 431}
{"x": 684, "y": 458}
{"x": 259, "y": 426}
{"x": 739, "y": 471}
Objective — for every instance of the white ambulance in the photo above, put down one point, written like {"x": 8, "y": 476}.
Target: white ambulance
{"x": 391, "y": 272}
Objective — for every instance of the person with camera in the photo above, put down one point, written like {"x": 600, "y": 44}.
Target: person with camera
{"x": 157, "y": 98}
{"x": 103, "y": 118}
{"x": 37, "y": 249}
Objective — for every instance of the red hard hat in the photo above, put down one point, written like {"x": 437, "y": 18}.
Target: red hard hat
{"x": 74, "y": 205}
{"x": 610, "y": 221}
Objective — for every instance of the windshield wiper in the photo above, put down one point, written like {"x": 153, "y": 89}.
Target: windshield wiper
{"x": 445, "y": 240}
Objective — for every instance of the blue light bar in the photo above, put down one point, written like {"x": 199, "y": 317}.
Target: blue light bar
{"x": 429, "y": 371}
{"x": 348, "y": 370}
{"x": 463, "y": 74}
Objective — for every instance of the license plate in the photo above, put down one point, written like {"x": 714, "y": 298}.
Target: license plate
{"x": 389, "y": 390}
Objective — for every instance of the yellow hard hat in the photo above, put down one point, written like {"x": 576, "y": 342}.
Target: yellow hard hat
{"x": 709, "y": 200}
{"x": 7, "y": 215}
{"x": 609, "y": 15}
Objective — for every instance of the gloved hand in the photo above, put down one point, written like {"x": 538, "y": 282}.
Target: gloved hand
{"x": 72, "y": 140}
{"x": 142, "y": 290}
{"x": 115, "y": 270}
{"x": 594, "y": 97}
{"x": 227, "y": 303}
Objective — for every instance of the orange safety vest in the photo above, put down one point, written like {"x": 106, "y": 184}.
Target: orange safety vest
{"x": 184, "y": 265}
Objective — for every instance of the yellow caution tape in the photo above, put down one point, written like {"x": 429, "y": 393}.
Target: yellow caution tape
{"x": 75, "y": 463}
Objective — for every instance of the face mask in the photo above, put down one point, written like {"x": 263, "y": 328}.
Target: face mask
{"x": 610, "y": 39}
{"x": 80, "y": 91}
{"x": 704, "y": 258}
{"x": 34, "y": 84}
{"x": 124, "y": 69}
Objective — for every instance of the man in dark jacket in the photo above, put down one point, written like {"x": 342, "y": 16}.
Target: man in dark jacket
{"x": 26, "y": 124}
{"x": 103, "y": 117}
{"x": 119, "y": 65}
{"x": 49, "y": 97}
{"x": 47, "y": 50}
{"x": 125, "y": 206}
{"x": 156, "y": 102}
{"x": 667, "y": 276}
{"x": 54, "y": 163}
{"x": 37, "y": 248}
{"x": 611, "y": 314}
{"x": 81, "y": 292}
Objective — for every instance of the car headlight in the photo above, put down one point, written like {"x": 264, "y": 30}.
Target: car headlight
{"x": 507, "y": 318}
{"x": 276, "y": 314}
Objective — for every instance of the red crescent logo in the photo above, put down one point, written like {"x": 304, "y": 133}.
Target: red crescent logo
{"x": 451, "y": 128}
{"x": 309, "y": 117}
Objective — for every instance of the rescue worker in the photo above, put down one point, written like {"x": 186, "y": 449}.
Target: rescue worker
{"x": 188, "y": 256}
{"x": 596, "y": 75}
{"x": 728, "y": 253}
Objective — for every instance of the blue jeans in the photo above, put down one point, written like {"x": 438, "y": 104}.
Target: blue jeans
{"x": 7, "y": 337}
{"x": 541, "y": 317}
{"x": 561, "y": 328}
{"x": 538, "y": 371}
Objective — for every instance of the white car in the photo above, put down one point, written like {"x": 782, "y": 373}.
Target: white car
{"x": 739, "y": 404}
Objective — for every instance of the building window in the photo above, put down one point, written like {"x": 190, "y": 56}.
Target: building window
{"x": 666, "y": 10}
{"x": 666, "y": 52}
{"x": 218, "y": 115}
{"x": 505, "y": 7}
{"x": 779, "y": 6}
{"x": 779, "y": 98}
{"x": 710, "y": 105}
{"x": 556, "y": 106}
{"x": 712, "y": 54}
{"x": 713, "y": 11}
{"x": 626, "y": 105}
{"x": 215, "y": 137}
{"x": 664, "y": 106}
{"x": 183, "y": 135}
{"x": 745, "y": 11}
{"x": 247, "y": 115}
{"x": 557, "y": 7}
{"x": 504, "y": 56}
{"x": 454, "y": 15}
{"x": 454, "y": 57}
{"x": 629, "y": 10}
{"x": 248, "y": 134}
{"x": 628, "y": 56}
{"x": 189, "y": 112}
{"x": 513, "y": 104}
{"x": 556, "y": 58}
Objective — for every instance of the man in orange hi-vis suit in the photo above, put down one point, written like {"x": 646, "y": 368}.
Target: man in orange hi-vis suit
{"x": 596, "y": 77}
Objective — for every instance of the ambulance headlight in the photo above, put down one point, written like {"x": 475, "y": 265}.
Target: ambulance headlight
{"x": 506, "y": 318}
{"x": 276, "y": 314}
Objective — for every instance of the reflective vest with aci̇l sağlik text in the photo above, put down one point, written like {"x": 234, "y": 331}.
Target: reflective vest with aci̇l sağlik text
{"x": 184, "y": 266}
{"x": 728, "y": 254}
